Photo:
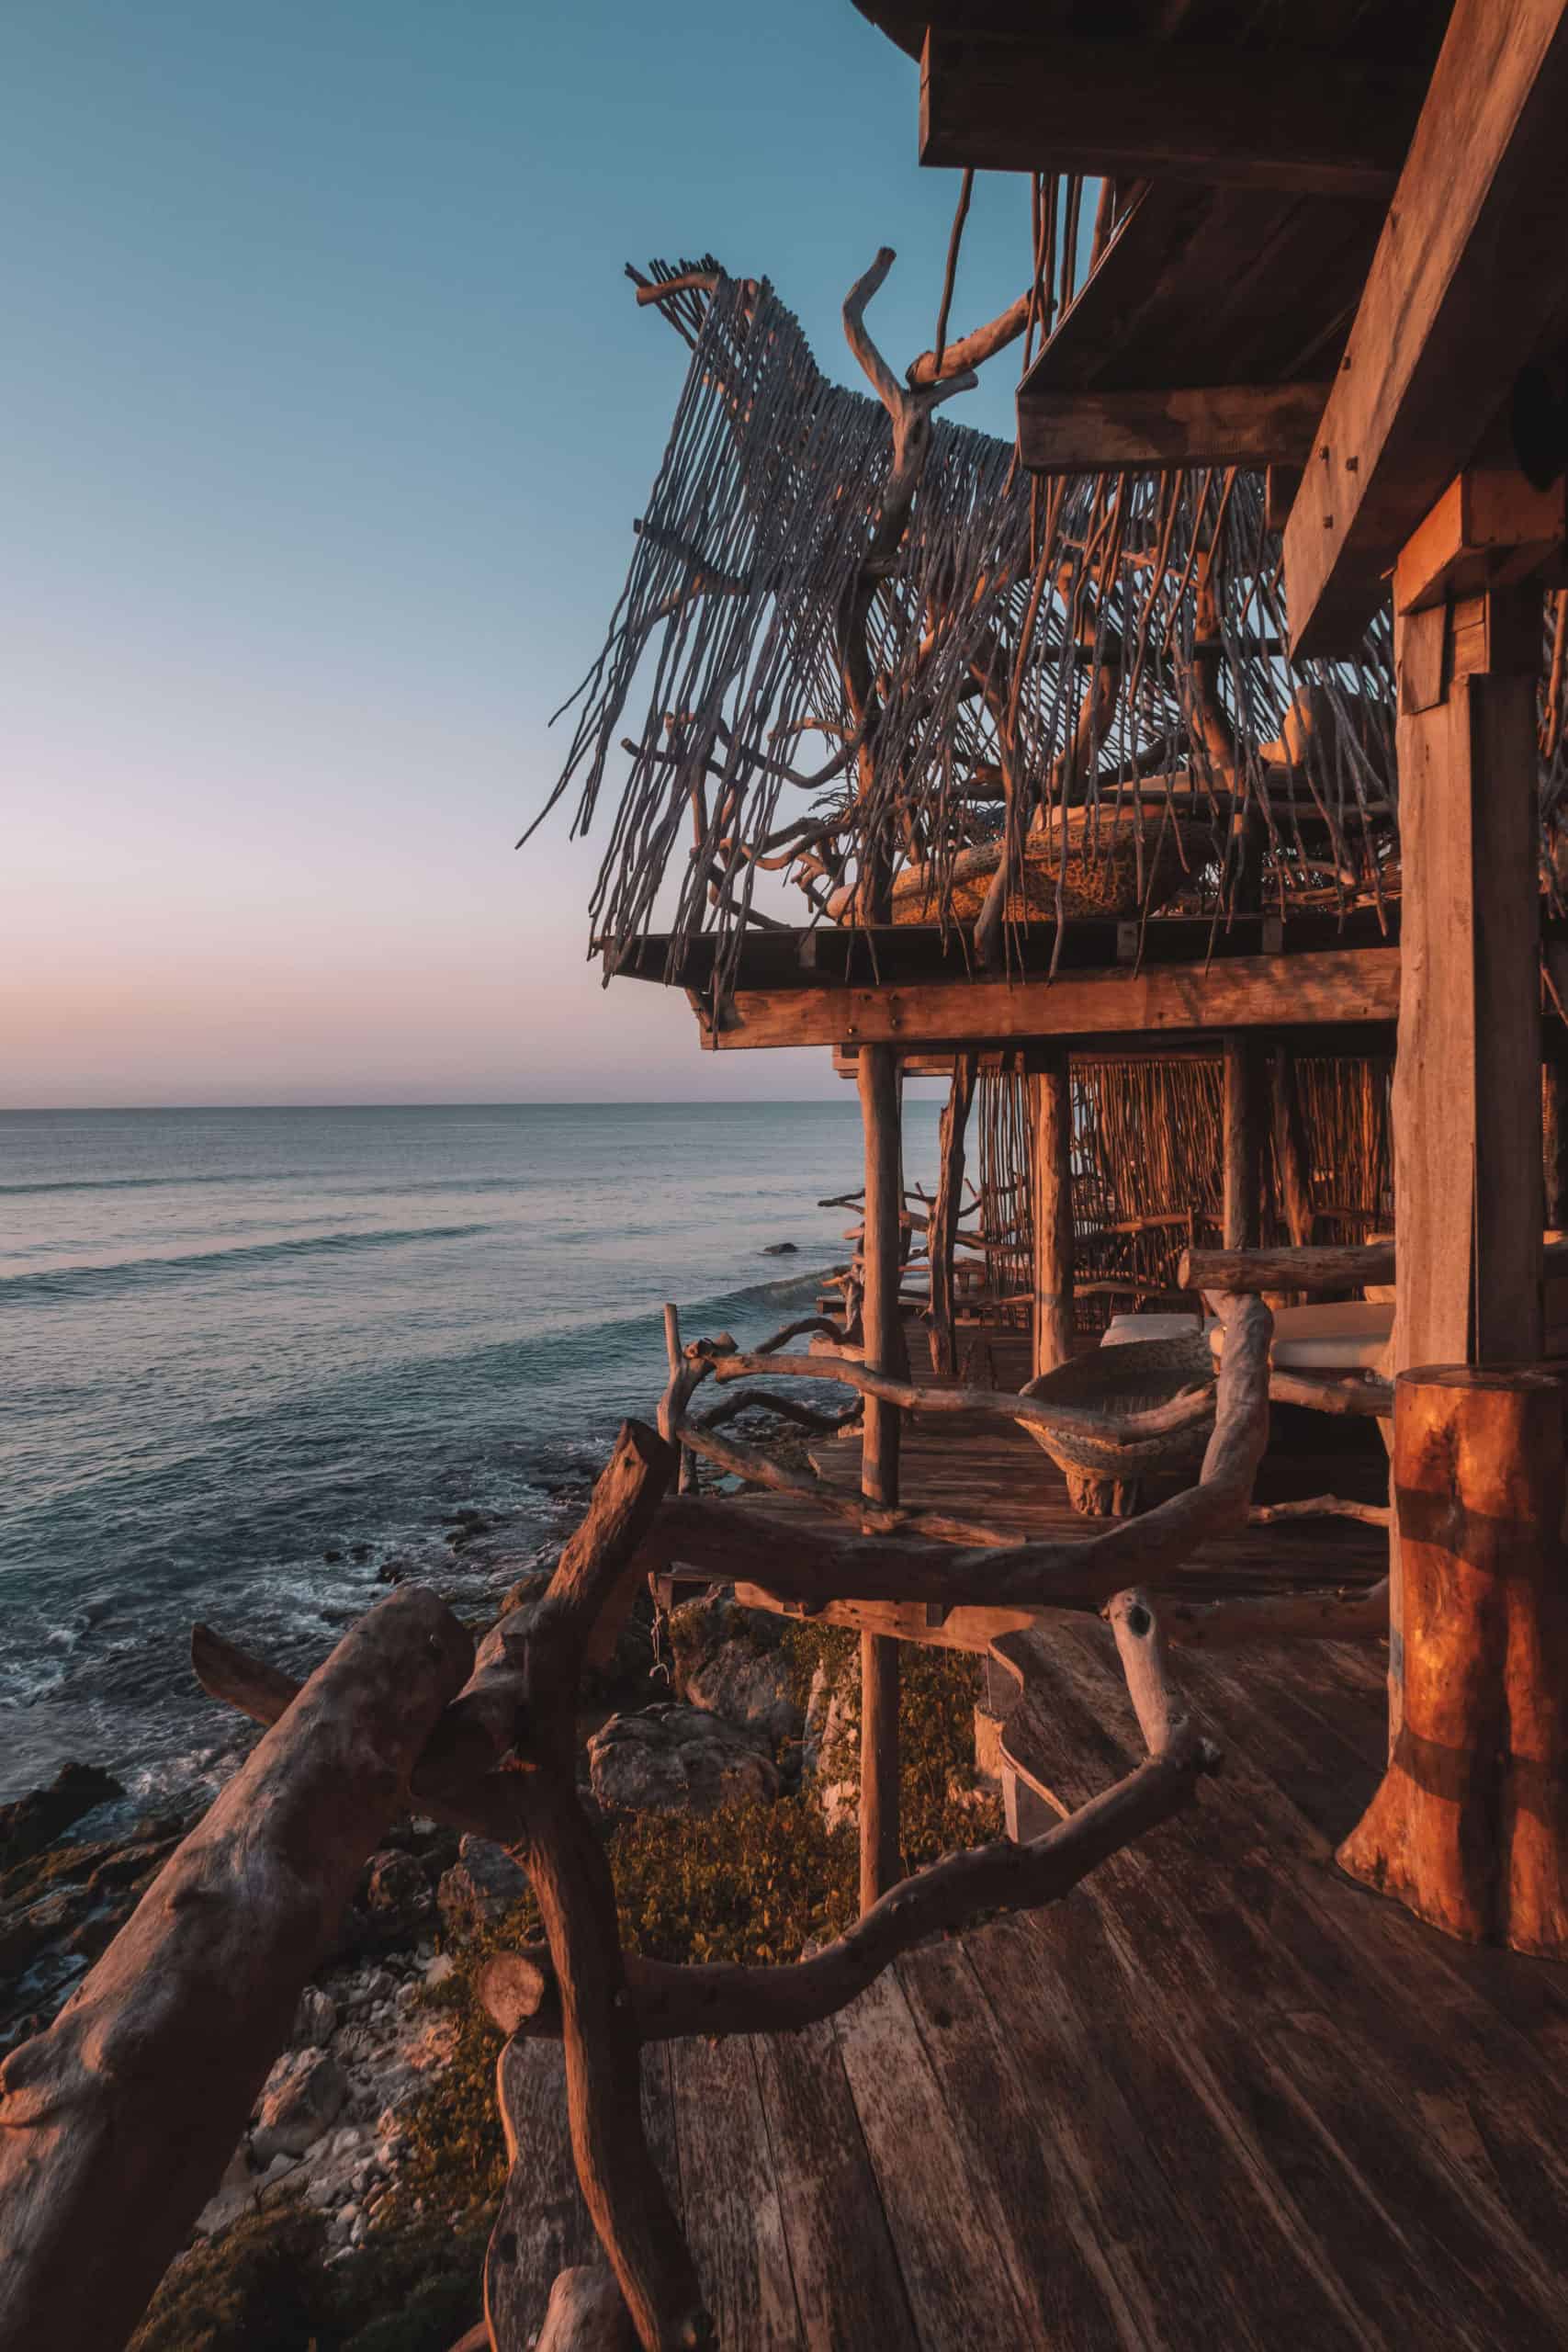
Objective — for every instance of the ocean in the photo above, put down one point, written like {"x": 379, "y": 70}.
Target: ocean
{"x": 232, "y": 1342}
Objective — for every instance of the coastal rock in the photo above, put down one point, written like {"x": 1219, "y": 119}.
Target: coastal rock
{"x": 730, "y": 1661}
{"x": 531, "y": 1586}
{"x": 303, "y": 2094}
{"x": 782, "y": 1250}
{"x": 397, "y": 1894}
{"x": 234, "y": 2196}
{"x": 677, "y": 1759}
{"x": 830, "y": 1747}
{"x": 315, "y": 2019}
{"x": 32, "y": 1821}
{"x": 482, "y": 1886}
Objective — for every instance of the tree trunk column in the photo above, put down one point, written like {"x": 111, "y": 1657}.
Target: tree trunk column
{"x": 885, "y": 1350}
{"x": 1051, "y": 1115}
{"x": 1469, "y": 1826}
{"x": 946, "y": 1210}
{"x": 1244, "y": 1126}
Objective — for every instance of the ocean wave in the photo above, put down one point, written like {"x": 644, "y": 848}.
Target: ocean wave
{"x": 150, "y": 1184}
{"x": 140, "y": 1273}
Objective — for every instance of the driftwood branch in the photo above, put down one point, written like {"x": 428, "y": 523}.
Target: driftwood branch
{"x": 794, "y": 1562}
{"x": 116, "y": 2123}
{"x": 1186, "y": 1411}
{"x": 1319, "y": 1507}
{"x": 671, "y": 2001}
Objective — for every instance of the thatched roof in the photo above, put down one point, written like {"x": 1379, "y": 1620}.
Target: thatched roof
{"x": 882, "y": 699}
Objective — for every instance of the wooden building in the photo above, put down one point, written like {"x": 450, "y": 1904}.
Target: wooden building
{"x": 1221, "y": 721}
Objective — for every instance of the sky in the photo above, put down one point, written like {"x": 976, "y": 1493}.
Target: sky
{"x": 327, "y": 411}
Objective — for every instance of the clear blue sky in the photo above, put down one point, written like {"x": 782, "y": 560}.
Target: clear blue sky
{"x": 326, "y": 412}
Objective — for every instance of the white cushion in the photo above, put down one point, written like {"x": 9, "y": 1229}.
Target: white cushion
{"x": 1351, "y": 1336}
{"x": 1149, "y": 1326}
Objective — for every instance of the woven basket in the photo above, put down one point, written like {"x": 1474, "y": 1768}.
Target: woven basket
{"x": 1101, "y": 876}
{"x": 1125, "y": 1380}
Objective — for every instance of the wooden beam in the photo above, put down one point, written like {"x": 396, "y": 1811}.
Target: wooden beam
{"x": 1352, "y": 985}
{"x": 1472, "y": 265}
{"x": 1490, "y": 527}
{"x": 1294, "y": 120}
{"x": 1218, "y": 424}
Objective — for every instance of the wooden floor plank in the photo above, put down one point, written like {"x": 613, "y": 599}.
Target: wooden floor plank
{"x": 1475, "y": 2180}
{"x": 947, "y": 2225}
{"x": 731, "y": 2195}
{"x": 542, "y": 2224}
{"x": 848, "y": 2284}
{"x": 1054, "y": 2244}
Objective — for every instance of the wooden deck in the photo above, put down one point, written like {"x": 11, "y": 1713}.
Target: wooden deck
{"x": 1220, "y": 2097}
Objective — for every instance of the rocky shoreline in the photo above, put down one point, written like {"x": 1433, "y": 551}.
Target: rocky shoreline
{"x": 708, "y": 1707}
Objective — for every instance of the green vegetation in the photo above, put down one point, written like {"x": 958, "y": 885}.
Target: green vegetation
{"x": 751, "y": 1881}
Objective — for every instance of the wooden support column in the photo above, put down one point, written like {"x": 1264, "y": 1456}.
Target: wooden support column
{"x": 1051, "y": 1117}
{"x": 1243, "y": 1130}
{"x": 1467, "y": 1082}
{"x": 885, "y": 1350}
{"x": 1467, "y": 1135}
{"x": 942, "y": 1232}
{"x": 1554, "y": 1143}
{"x": 1292, "y": 1157}
{"x": 1469, "y": 1828}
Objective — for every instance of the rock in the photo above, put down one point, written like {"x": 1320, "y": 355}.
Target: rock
{"x": 531, "y": 1586}
{"x": 730, "y": 1661}
{"x": 482, "y": 1886}
{"x": 332, "y": 1558}
{"x": 359, "y": 1552}
{"x": 440, "y": 1970}
{"x": 829, "y": 1747}
{"x": 315, "y": 2019}
{"x": 32, "y": 1821}
{"x": 782, "y": 1250}
{"x": 234, "y": 2196}
{"x": 304, "y": 2093}
{"x": 396, "y": 1894}
{"x": 677, "y": 1759}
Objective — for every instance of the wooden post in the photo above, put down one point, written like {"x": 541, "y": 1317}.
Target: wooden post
{"x": 1051, "y": 1107}
{"x": 686, "y": 1476}
{"x": 1554, "y": 1143}
{"x": 886, "y": 1351}
{"x": 1469, "y": 1826}
{"x": 942, "y": 1232}
{"x": 1467, "y": 1098}
{"x": 1243, "y": 1142}
{"x": 1292, "y": 1160}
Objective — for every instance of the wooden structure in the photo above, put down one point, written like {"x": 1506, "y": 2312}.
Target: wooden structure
{"x": 1279, "y": 810}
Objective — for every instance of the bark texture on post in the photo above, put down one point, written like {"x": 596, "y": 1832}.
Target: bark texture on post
{"x": 886, "y": 1351}
{"x": 1243, "y": 1143}
{"x": 116, "y": 2123}
{"x": 943, "y": 1231}
{"x": 1292, "y": 1157}
{"x": 1050, "y": 1093}
{"x": 1554, "y": 1143}
{"x": 1469, "y": 1826}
